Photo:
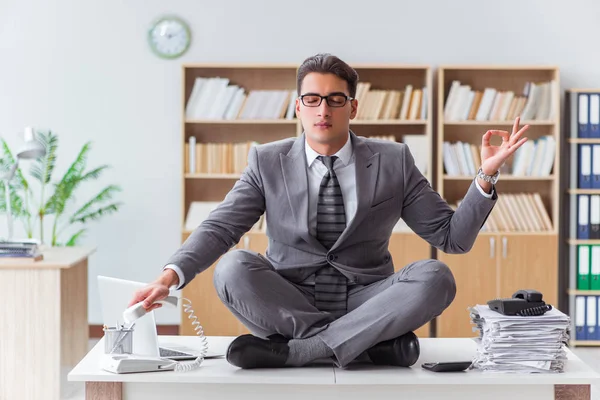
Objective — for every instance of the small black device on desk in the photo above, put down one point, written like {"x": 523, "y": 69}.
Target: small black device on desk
{"x": 523, "y": 302}
{"x": 451, "y": 366}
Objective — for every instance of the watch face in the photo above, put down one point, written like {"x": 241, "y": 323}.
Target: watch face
{"x": 169, "y": 37}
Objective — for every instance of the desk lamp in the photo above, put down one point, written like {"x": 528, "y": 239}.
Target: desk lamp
{"x": 31, "y": 149}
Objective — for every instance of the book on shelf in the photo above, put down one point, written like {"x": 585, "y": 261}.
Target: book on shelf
{"x": 216, "y": 158}
{"x": 466, "y": 103}
{"x": 377, "y": 104}
{"x": 517, "y": 212}
{"x": 533, "y": 158}
{"x": 587, "y": 317}
{"x": 588, "y": 267}
{"x": 214, "y": 98}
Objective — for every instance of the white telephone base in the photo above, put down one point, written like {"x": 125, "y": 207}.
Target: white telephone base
{"x": 125, "y": 364}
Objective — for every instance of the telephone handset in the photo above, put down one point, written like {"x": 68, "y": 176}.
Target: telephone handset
{"x": 523, "y": 302}
{"x": 119, "y": 363}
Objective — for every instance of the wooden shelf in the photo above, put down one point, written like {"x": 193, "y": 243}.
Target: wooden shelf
{"x": 243, "y": 121}
{"x": 503, "y": 178}
{"x": 503, "y": 123}
{"x": 583, "y": 191}
{"x": 575, "y": 292}
{"x": 575, "y": 242}
{"x": 583, "y": 141}
{"x": 212, "y": 176}
{"x": 583, "y": 343}
{"x": 493, "y": 268}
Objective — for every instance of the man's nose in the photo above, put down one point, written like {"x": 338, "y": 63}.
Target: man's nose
{"x": 324, "y": 109}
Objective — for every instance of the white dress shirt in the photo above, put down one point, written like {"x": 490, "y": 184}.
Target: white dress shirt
{"x": 345, "y": 170}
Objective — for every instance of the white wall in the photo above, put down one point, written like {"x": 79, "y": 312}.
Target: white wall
{"x": 84, "y": 70}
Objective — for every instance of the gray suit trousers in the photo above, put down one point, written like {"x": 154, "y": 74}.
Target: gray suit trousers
{"x": 266, "y": 303}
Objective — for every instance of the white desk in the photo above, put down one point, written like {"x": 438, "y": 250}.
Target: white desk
{"x": 359, "y": 381}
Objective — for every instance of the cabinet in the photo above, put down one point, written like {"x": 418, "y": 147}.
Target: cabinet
{"x": 497, "y": 266}
{"x": 517, "y": 248}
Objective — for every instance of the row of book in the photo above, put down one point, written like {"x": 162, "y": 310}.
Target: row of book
{"x": 533, "y": 158}
{"x": 589, "y": 166}
{"x": 588, "y": 216}
{"x": 216, "y": 158}
{"x": 588, "y": 115}
{"x": 407, "y": 104}
{"x": 587, "y": 317}
{"x": 537, "y": 102}
{"x": 588, "y": 267}
{"x": 517, "y": 212}
{"x": 215, "y": 98}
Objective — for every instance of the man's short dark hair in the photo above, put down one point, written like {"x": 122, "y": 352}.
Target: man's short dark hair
{"x": 326, "y": 63}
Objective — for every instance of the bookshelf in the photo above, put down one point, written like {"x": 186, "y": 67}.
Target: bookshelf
{"x": 217, "y": 126}
{"x": 517, "y": 248}
{"x": 580, "y": 236}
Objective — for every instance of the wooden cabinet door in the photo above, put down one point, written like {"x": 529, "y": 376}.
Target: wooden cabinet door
{"x": 215, "y": 318}
{"x": 475, "y": 275}
{"x": 406, "y": 248}
{"x": 529, "y": 261}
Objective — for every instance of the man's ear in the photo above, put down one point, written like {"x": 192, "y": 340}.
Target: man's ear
{"x": 297, "y": 108}
{"x": 354, "y": 108}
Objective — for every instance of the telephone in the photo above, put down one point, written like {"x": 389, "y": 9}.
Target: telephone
{"x": 523, "y": 302}
{"x": 130, "y": 363}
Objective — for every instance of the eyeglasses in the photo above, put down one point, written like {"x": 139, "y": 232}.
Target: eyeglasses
{"x": 333, "y": 100}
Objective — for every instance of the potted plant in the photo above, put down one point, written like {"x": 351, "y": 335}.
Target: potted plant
{"x": 56, "y": 198}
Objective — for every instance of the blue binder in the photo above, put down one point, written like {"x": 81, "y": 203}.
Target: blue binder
{"x": 583, "y": 216}
{"x": 585, "y": 166}
{"x": 583, "y": 118}
{"x": 594, "y": 116}
{"x": 596, "y": 166}
{"x": 580, "y": 318}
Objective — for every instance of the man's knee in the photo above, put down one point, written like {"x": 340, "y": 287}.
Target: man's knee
{"x": 438, "y": 278}
{"x": 231, "y": 270}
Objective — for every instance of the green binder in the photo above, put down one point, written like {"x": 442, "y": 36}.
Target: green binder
{"x": 595, "y": 267}
{"x": 583, "y": 268}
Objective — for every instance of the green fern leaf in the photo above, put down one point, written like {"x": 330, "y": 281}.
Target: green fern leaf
{"x": 98, "y": 213}
{"x": 103, "y": 196}
{"x": 73, "y": 240}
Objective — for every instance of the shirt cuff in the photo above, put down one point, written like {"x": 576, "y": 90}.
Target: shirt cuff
{"x": 179, "y": 273}
{"x": 488, "y": 195}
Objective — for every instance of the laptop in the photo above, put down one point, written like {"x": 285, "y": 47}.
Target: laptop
{"x": 115, "y": 295}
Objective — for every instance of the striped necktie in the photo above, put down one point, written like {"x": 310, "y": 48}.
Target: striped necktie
{"x": 330, "y": 284}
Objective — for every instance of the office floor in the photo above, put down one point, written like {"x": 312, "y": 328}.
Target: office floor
{"x": 591, "y": 356}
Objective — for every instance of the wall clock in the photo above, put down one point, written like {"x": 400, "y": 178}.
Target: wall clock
{"x": 169, "y": 37}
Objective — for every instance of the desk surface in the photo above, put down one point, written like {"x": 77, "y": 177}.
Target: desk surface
{"x": 432, "y": 349}
{"x": 54, "y": 258}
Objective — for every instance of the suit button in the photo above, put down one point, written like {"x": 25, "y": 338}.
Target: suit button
{"x": 331, "y": 257}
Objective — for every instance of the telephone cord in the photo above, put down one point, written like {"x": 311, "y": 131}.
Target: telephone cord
{"x": 199, "y": 331}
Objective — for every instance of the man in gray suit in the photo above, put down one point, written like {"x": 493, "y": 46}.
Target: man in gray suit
{"x": 326, "y": 286}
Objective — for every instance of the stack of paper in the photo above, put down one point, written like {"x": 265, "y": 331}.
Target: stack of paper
{"x": 520, "y": 343}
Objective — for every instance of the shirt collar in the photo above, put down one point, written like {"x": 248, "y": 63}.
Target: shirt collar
{"x": 344, "y": 154}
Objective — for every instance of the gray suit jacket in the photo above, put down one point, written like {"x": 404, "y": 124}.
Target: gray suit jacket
{"x": 389, "y": 186}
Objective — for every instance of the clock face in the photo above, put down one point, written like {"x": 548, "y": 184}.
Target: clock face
{"x": 169, "y": 37}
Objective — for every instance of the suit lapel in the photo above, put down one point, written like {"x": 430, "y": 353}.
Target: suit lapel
{"x": 295, "y": 179}
{"x": 367, "y": 171}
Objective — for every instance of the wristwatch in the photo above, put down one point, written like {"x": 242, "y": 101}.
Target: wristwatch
{"x": 488, "y": 178}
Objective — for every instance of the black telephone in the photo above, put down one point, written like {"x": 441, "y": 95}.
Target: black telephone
{"x": 523, "y": 302}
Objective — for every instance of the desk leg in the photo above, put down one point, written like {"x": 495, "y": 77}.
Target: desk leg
{"x": 572, "y": 392}
{"x": 74, "y": 313}
{"x": 103, "y": 391}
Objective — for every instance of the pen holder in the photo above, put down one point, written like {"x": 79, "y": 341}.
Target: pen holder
{"x": 118, "y": 340}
